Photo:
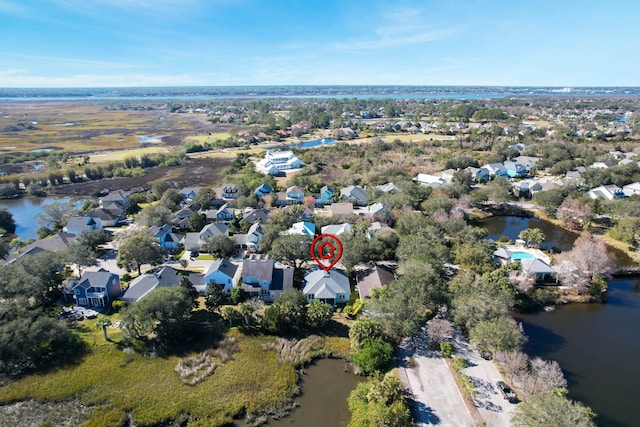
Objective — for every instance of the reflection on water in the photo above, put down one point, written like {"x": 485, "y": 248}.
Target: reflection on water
{"x": 323, "y": 403}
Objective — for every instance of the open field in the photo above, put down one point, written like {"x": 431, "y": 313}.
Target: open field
{"x": 110, "y": 156}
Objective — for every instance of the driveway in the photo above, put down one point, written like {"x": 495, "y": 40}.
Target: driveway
{"x": 493, "y": 408}
{"x": 435, "y": 396}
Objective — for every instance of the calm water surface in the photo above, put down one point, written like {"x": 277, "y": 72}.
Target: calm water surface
{"x": 597, "y": 345}
{"x": 323, "y": 403}
{"x": 24, "y": 211}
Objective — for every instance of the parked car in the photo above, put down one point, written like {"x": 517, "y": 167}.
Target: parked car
{"x": 506, "y": 391}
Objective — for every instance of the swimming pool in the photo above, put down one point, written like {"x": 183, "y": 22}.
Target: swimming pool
{"x": 517, "y": 256}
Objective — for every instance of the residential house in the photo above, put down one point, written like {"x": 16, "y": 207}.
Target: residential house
{"x": 354, "y": 194}
{"x": 224, "y": 273}
{"x": 373, "y": 278}
{"x": 341, "y": 209}
{"x": 255, "y": 215}
{"x": 378, "y": 227}
{"x": 191, "y": 242}
{"x": 527, "y": 161}
{"x": 211, "y": 230}
{"x": 607, "y": 192}
{"x": 478, "y": 174}
{"x": 254, "y": 235}
{"x": 526, "y": 188}
{"x": 337, "y": 229}
{"x": 228, "y": 192}
{"x": 263, "y": 190}
{"x": 325, "y": 197}
{"x": 189, "y": 193}
{"x": 194, "y": 241}
{"x": 378, "y": 210}
{"x": 181, "y": 218}
{"x": 331, "y": 287}
{"x": 225, "y": 214}
{"x": 146, "y": 283}
{"x": 114, "y": 200}
{"x": 389, "y": 187}
{"x": 537, "y": 268}
{"x": 602, "y": 165}
{"x": 263, "y": 279}
{"x": 168, "y": 240}
{"x": 631, "y": 189}
{"x": 429, "y": 180}
{"x": 107, "y": 217}
{"x": 301, "y": 228}
{"x": 95, "y": 288}
{"x": 295, "y": 194}
{"x": 514, "y": 169}
{"x": 447, "y": 174}
{"x": 275, "y": 162}
{"x": 56, "y": 243}
{"x": 78, "y": 224}
{"x": 496, "y": 169}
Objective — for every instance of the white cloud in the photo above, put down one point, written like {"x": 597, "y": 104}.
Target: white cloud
{"x": 11, "y": 7}
{"x": 387, "y": 38}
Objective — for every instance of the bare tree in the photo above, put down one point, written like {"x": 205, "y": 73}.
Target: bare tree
{"x": 590, "y": 258}
{"x": 574, "y": 213}
{"x": 513, "y": 363}
{"x": 523, "y": 282}
{"x": 439, "y": 329}
{"x": 548, "y": 374}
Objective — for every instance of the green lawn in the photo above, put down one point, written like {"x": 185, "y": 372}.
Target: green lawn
{"x": 148, "y": 388}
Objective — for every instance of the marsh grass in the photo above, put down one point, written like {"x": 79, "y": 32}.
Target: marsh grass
{"x": 252, "y": 383}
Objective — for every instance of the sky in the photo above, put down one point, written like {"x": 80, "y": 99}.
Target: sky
{"x": 120, "y": 43}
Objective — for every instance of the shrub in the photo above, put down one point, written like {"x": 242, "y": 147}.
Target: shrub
{"x": 375, "y": 355}
{"x": 447, "y": 349}
{"x": 118, "y": 305}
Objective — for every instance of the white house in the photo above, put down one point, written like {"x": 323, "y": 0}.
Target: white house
{"x": 301, "y": 228}
{"x": 336, "y": 229}
{"x": 631, "y": 189}
{"x": 429, "y": 180}
{"x": 331, "y": 287}
{"x": 276, "y": 161}
{"x": 607, "y": 192}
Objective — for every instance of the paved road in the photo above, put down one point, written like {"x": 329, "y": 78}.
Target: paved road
{"x": 436, "y": 399}
{"x": 494, "y": 409}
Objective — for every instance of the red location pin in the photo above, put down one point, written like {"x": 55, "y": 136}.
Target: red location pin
{"x": 326, "y": 250}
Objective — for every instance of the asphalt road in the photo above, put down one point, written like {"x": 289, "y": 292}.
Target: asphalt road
{"x": 436, "y": 399}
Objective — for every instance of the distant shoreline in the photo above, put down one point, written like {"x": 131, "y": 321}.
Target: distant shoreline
{"x": 203, "y": 93}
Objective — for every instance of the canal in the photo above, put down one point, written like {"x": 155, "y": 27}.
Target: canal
{"x": 595, "y": 344}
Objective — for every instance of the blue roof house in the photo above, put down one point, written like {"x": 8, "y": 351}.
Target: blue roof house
{"x": 96, "y": 289}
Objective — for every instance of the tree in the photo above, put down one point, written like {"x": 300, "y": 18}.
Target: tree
{"x": 318, "y": 313}
{"x": 552, "y": 408}
{"x": 230, "y": 314}
{"x": 293, "y": 250}
{"x": 549, "y": 200}
{"x": 139, "y": 249}
{"x": 7, "y": 222}
{"x": 196, "y": 221}
{"x": 157, "y": 215}
{"x": 497, "y": 334}
{"x": 103, "y": 324}
{"x": 160, "y": 317}
{"x": 204, "y": 197}
{"x": 191, "y": 291}
{"x": 29, "y": 339}
{"x": 214, "y": 297}
{"x": 532, "y": 235}
{"x": 590, "y": 256}
{"x": 158, "y": 188}
{"x": 219, "y": 246}
{"x": 512, "y": 363}
{"x": 81, "y": 255}
{"x": 363, "y": 328}
{"x": 92, "y": 239}
{"x": 439, "y": 330}
{"x": 627, "y": 230}
{"x": 55, "y": 215}
{"x": 375, "y": 355}
{"x": 475, "y": 256}
{"x": 379, "y": 402}
{"x": 246, "y": 310}
{"x": 238, "y": 295}
{"x": 543, "y": 376}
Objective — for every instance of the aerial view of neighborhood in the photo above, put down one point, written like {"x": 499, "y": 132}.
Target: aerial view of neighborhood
{"x": 247, "y": 237}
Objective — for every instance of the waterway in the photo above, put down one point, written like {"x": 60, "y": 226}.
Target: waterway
{"x": 595, "y": 344}
{"x": 325, "y": 389}
{"x": 24, "y": 213}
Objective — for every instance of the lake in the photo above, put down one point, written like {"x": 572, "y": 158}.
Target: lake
{"x": 325, "y": 389}
{"x": 306, "y": 144}
{"x": 24, "y": 211}
{"x": 595, "y": 344}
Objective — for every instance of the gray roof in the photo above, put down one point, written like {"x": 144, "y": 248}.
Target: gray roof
{"x": 115, "y": 196}
{"x": 222, "y": 265}
{"x": 191, "y": 239}
{"x": 535, "y": 266}
{"x": 282, "y": 279}
{"x": 164, "y": 278}
{"x": 385, "y": 188}
{"x": 214, "y": 229}
{"x": 80, "y": 221}
{"x": 326, "y": 284}
{"x": 98, "y": 279}
{"x": 353, "y": 192}
{"x": 104, "y": 214}
{"x": 260, "y": 266}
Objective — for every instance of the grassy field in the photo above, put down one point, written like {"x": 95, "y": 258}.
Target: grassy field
{"x": 111, "y": 156}
{"x": 148, "y": 389}
{"x": 210, "y": 137}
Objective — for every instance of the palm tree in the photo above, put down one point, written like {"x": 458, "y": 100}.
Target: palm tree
{"x": 532, "y": 235}
{"x": 103, "y": 323}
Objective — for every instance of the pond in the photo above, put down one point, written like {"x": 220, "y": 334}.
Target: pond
{"x": 325, "y": 389}
{"x": 595, "y": 344}
{"x": 24, "y": 213}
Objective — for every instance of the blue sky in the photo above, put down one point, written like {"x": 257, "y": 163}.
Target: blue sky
{"x": 89, "y": 43}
